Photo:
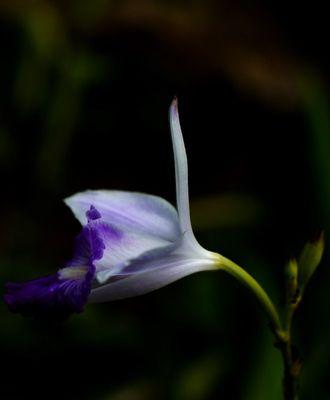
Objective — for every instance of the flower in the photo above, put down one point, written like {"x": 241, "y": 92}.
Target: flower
{"x": 130, "y": 244}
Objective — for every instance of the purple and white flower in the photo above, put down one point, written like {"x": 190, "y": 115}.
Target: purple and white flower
{"x": 130, "y": 244}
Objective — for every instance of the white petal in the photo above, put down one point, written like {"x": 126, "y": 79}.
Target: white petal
{"x": 154, "y": 278}
{"x": 129, "y": 211}
{"x": 150, "y": 259}
{"x": 181, "y": 179}
{"x": 123, "y": 246}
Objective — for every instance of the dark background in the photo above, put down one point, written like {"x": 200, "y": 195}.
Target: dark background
{"x": 84, "y": 94}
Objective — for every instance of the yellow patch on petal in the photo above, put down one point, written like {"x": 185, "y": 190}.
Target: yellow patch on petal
{"x": 73, "y": 272}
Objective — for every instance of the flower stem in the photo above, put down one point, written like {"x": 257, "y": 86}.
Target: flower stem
{"x": 292, "y": 363}
{"x": 291, "y": 360}
{"x": 248, "y": 281}
{"x": 292, "y": 366}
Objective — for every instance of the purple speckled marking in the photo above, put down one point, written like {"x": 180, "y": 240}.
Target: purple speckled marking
{"x": 92, "y": 214}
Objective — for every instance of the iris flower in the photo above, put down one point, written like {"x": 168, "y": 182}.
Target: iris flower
{"x": 130, "y": 244}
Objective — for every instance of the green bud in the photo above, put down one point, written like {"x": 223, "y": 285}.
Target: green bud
{"x": 291, "y": 275}
{"x": 310, "y": 258}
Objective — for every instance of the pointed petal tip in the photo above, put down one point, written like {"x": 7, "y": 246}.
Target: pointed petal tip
{"x": 317, "y": 237}
{"x": 174, "y": 106}
{"x": 68, "y": 201}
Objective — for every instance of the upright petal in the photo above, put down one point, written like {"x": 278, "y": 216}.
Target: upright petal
{"x": 181, "y": 179}
{"x": 129, "y": 211}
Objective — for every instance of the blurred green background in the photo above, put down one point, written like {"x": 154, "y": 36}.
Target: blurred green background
{"x": 84, "y": 92}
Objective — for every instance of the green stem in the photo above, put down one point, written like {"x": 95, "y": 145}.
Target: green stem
{"x": 292, "y": 363}
{"x": 248, "y": 281}
{"x": 291, "y": 372}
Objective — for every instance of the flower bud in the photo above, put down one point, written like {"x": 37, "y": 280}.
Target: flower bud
{"x": 310, "y": 258}
{"x": 291, "y": 275}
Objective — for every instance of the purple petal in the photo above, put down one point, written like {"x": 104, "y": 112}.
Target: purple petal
{"x": 129, "y": 211}
{"x": 57, "y": 296}
{"x": 49, "y": 297}
{"x": 88, "y": 248}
